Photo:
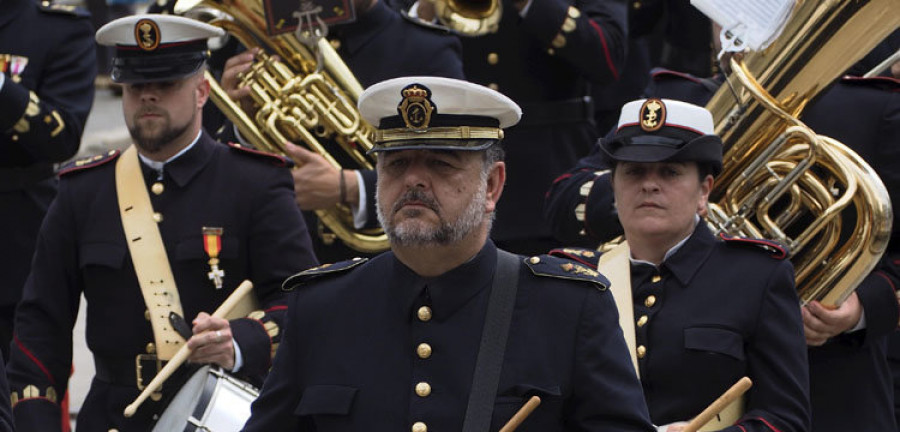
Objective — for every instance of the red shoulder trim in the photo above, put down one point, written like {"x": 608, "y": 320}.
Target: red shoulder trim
{"x": 887, "y": 83}
{"x": 776, "y": 250}
{"x": 588, "y": 257}
{"x": 275, "y": 159}
{"x": 89, "y": 162}
{"x": 663, "y": 73}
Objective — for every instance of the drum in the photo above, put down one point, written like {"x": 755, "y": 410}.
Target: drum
{"x": 210, "y": 401}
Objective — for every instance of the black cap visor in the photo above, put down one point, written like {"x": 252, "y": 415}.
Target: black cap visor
{"x": 156, "y": 68}
{"x": 434, "y": 144}
{"x": 653, "y": 148}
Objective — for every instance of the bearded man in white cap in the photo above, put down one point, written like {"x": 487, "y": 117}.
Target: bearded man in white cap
{"x": 445, "y": 332}
{"x": 157, "y": 235}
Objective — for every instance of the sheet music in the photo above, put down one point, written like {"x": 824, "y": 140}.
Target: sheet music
{"x": 747, "y": 24}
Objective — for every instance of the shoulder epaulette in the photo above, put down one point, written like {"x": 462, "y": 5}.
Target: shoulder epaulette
{"x": 89, "y": 162}
{"x": 63, "y": 9}
{"x": 882, "y": 82}
{"x": 776, "y": 250}
{"x": 425, "y": 24}
{"x": 277, "y": 160}
{"x": 562, "y": 268}
{"x": 588, "y": 257}
{"x": 321, "y": 271}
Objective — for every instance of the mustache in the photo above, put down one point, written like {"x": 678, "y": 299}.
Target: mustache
{"x": 415, "y": 195}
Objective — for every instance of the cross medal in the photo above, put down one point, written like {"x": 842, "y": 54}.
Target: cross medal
{"x": 212, "y": 243}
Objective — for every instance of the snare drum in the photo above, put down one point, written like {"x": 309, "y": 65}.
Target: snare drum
{"x": 212, "y": 400}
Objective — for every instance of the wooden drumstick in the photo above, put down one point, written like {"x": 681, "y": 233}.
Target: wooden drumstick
{"x": 730, "y": 395}
{"x": 184, "y": 352}
{"x": 521, "y": 415}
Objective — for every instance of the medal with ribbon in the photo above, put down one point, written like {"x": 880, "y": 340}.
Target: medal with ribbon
{"x": 212, "y": 243}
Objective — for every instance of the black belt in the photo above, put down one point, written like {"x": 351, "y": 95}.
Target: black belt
{"x": 123, "y": 371}
{"x": 575, "y": 110}
{"x": 14, "y": 178}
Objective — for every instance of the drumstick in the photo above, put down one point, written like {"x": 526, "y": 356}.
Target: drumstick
{"x": 184, "y": 352}
{"x": 718, "y": 405}
{"x": 520, "y": 415}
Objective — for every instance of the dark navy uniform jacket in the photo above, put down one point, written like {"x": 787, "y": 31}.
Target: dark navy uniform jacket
{"x": 82, "y": 250}
{"x": 864, "y": 114}
{"x": 48, "y": 59}
{"x": 381, "y": 45}
{"x": 379, "y": 348}
{"x": 6, "y": 419}
{"x": 711, "y": 313}
{"x": 546, "y": 62}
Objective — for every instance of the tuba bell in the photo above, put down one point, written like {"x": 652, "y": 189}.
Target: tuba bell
{"x": 306, "y": 95}
{"x": 781, "y": 180}
{"x": 469, "y": 17}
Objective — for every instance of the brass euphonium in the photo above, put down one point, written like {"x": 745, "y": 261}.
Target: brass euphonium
{"x": 469, "y": 17}
{"x": 306, "y": 96}
{"x": 781, "y": 180}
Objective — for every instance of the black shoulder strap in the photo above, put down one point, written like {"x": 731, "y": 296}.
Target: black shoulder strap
{"x": 493, "y": 343}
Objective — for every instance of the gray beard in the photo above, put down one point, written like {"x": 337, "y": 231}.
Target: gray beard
{"x": 410, "y": 233}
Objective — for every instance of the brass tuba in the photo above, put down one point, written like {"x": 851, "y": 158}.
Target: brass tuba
{"x": 781, "y": 180}
{"x": 307, "y": 96}
{"x": 469, "y": 17}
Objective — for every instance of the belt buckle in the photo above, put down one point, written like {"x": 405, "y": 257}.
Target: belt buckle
{"x": 139, "y": 362}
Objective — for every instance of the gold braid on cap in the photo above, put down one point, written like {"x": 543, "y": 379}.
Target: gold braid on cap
{"x": 448, "y": 132}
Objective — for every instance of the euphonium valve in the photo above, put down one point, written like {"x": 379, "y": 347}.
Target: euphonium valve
{"x": 306, "y": 95}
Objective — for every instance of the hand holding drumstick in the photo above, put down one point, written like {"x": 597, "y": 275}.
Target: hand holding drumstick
{"x": 184, "y": 352}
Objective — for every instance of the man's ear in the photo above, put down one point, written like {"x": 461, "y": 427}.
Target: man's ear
{"x": 203, "y": 88}
{"x": 495, "y": 182}
{"x": 705, "y": 188}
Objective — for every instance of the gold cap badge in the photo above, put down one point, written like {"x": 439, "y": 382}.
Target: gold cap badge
{"x": 653, "y": 115}
{"x": 146, "y": 34}
{"x": 416, "y": 107}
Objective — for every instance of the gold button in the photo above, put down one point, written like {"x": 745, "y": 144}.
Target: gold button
{"x": 493, "y": 58}
{"x": 157, "y": 188}
{"x": 636, "y": 5}
{"x": 424, "y": 314}
{"x": 534, "y": 260}
{"x": 642, "y": 320}
{"x": 494, "y": 86}
{"x": 157, "y": 216}
{"x": 419, "y": 427}
{"x": 573, "y": 12}
{"x": 423, "y": 350}
{"x": 650, "y": 301}
{"x": 335, "y": 43}
{"x": 151, "y": 348}
{"x": 423, "y": 389}
{"x": 641, "y": 351}
{"x": 147, "y": 314}
{"x": 559, "y": 41}
{"x": 15, "y": 137}
{"x": 656, "y": 278}
{"x": 569, "y": 25}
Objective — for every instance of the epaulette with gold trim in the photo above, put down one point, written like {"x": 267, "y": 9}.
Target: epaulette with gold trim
{"x": 63, "y": 9}
{"x": 561, "y": 268}
{"x": 426, "y": 24}
{"x": 776, "y": 250}
{"x": 588, "y": 257}
{"x": 318, "y": 272}
{"x": 277, "y": 160}
{"x": 89, "y": 162}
